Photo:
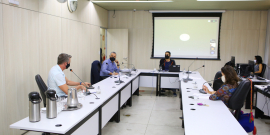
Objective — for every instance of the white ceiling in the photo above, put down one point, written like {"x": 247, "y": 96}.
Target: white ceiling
{"x": 187, "y": 4}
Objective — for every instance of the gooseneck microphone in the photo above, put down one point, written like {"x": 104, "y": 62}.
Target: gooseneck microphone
{"x": 91, "y": 87}
{"x": 190, "y": 65}
{"x": 198, "y": 68}
{"x": 202, "y": 91}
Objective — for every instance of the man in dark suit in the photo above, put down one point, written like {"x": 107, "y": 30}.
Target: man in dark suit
{"x": 165, "y": 63}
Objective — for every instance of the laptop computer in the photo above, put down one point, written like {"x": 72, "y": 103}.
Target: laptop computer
{"x": 174, "y": 68}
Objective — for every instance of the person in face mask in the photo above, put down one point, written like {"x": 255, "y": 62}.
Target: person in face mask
{"x": 230, "y": 83}
{"x": 110, "y": 66}
{"x": 57, "y": 79}
{"x": 258, "y": 64}
{"x": 166, "y": 62}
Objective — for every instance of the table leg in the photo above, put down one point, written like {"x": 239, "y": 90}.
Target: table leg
{"x": 157, "y": 85}
{"x": 129, "y": 102}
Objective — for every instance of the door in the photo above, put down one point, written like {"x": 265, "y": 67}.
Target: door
{"x": 117, "y": 41}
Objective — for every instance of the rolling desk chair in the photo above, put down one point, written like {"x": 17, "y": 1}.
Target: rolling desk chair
{"x": 263, "y": 70}
{"x": 42, "y": 88}
{"x": 238, "y": 98}
{"x": 95, "y": 72}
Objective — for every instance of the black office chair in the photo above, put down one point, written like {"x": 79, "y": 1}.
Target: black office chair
{"x": 236, "y": 102}
{"x": 42, "y": 88}
{"x": 95, "y": 72}
{"x": 263, "y": 70}
{"x": 217, "y": 82}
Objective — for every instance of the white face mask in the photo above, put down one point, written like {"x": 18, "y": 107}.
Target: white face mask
{"x": 254, "y": 61}
{"x": 223, "y": 78}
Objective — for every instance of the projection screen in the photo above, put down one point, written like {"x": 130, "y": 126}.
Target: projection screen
{"x": 186, "y": 35}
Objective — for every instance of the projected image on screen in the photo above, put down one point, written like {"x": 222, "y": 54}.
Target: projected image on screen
{"x": 186, "y": 37}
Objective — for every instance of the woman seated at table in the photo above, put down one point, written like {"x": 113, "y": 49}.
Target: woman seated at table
{"x": 258, "y": 67}
{"x": 230, "y": 79}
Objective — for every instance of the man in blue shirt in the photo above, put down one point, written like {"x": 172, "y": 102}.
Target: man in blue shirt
{"x": 110, "y": 66}
{"x": 57, "y": 79}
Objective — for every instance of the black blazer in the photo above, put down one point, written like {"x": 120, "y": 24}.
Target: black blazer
{"x": 162, "y": 63}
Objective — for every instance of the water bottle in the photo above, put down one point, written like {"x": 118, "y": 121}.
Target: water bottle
{"x": 184, "y": 71}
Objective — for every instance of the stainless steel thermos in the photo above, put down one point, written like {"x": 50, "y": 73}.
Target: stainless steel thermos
{"x": 51, "y": 107}
{"x": 34, "y": 106}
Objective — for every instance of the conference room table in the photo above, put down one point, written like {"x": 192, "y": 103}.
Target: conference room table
{"x": 92, "y": 117}
{"x": 262, "y": 107}
{"x": 254, "y": 82}
{"x": 215, "y": 118}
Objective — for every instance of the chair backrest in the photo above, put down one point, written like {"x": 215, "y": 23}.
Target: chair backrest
{"x": 238, "y": 97}
{"x": 95, "y": 72}
{"x": 217, "y": 82}
{"x": 42, "y": 88}
{"x": 263, "y": 70}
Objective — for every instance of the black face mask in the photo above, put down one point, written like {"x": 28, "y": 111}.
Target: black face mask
{"x": 167, "y": 56}
{"x": 112, "y": 58}
{"x": 67, "y": 66}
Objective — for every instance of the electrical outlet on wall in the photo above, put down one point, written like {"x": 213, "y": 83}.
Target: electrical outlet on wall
{"x": 14, "y": 2}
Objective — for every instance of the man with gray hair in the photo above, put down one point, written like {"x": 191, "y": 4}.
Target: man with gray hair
{"x": 57, "y": 79}
{"x": 109, "y": 67}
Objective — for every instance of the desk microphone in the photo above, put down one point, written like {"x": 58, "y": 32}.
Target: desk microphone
{"x": 91, "y": 87}
{"x": 133, "y": 68}
{"x": 202, "y": 91}
{"x": 198, "y": 68}
{"x": 190, "y": 65}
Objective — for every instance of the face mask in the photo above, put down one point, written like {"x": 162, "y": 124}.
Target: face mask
{"x": 112, "y": 58}
{"x": 223, "y": 78}
{"x": 67, "y": 66}
{"x": 254, "y": 61}
{"x": 167, "y": 57}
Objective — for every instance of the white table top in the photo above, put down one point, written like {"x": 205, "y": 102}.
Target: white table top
{"x": 215, "y": 119}
{"x": 69, "y": 119}
{"x": 256, "y": 80}
{"x": 262, "y": 87}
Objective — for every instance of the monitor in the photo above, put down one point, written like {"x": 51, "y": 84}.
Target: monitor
{"x": 233, "y": 61}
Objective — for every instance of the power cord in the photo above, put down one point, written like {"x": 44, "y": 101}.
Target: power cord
{"x": 172, "y": 82}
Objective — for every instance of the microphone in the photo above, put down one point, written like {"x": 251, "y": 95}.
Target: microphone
{"x": 202, "y": 91}
{"x": 190, "y": 65}
{"x": 196, "y": 69}
{"x": 91, "y": 87}
{"x": 133, "y": 68}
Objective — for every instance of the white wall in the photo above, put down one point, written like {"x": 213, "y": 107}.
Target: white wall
{"x": 242, "y": 35}
{"x": 32, "y": 35}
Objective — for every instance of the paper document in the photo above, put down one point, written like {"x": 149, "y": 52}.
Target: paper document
{"x": 92, "y": 91}
{"x": 202, "y": 96}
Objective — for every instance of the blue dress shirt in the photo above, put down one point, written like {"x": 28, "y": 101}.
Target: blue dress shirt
{"x": 108, "y": 67}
